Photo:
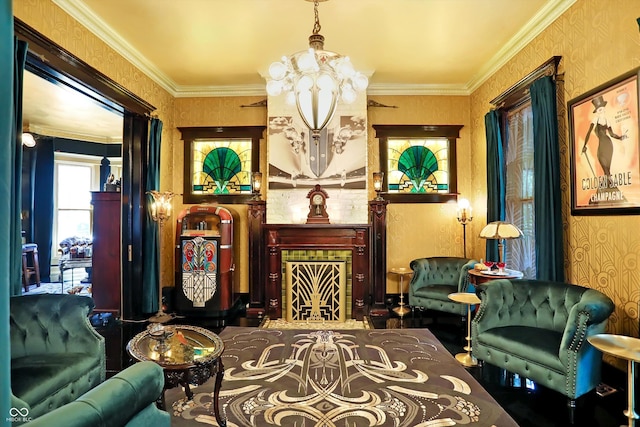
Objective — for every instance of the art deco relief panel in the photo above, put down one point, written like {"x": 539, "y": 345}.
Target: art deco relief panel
{"x": 601, "y": 252}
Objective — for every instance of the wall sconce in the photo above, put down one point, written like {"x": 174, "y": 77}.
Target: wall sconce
{"x": 28, "y": 140}
{"x": 378, "y": 178}
{"x": 160, "y": 212}
{"x": 256, "y": 184}
{"x": 464, "y": 216}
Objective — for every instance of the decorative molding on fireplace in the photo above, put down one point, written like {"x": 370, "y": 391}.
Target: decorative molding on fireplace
{"x": 367, "y": 243}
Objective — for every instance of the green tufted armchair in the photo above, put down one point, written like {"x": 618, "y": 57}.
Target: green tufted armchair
{"x": 538, "y": 329}
{"x": 435, "y": 278}
{"x": 127, "y": 399}
{"x": 56, "y": 355}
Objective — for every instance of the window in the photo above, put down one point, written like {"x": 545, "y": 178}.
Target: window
{"x": 520, "y": 253}
{"x": 73, "y": 200}
{"x": 514, "y": 106}
{"x": 218, "y": 162}
{"x": 76, "y": 176}
{"x": 418, "y": 162}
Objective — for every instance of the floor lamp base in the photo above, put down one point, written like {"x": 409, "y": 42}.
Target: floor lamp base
{"x": 160, "y": 317}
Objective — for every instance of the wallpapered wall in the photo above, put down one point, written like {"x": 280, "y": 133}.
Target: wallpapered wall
{"x": 597, "y": 43}
{"x": 47, "y": 18}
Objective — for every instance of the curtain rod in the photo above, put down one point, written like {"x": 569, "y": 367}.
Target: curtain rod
{"x": 521, "y": 88}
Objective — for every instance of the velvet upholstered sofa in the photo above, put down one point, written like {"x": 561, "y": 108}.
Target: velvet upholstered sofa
{"x": 435, "y": 278}
{"x": 58, "y": 370}
{"x": 539, "y": 329}
{"x": 56, "y": 355}
{"x": 127, "y": 399}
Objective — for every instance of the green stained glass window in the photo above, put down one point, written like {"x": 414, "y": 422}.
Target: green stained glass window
{"x": 418, "y": 162}
{"x": 418, "y": 165}
{"x": 219, "y": 161}
{"x": 221, "y": 166}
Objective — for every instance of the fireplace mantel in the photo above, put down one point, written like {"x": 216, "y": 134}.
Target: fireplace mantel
{"x": 267, "y": 241}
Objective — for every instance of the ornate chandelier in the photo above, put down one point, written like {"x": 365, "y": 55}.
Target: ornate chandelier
{"x": 314, "y": 79}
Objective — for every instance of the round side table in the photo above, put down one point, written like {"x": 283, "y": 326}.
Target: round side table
{"x": 477, "y": 277}
{"x": 466, "y": 359}
{"x": 402, "y": 309}
{"x": 627, "y": 348}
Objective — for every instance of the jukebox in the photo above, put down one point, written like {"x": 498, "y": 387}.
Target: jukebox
{"x": 204, "y": 261}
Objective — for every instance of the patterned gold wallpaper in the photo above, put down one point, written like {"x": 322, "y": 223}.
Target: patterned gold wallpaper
{"x": 47, "y": 18}
{"x": 421, "y": 230}
{"x": 597, "y": 43}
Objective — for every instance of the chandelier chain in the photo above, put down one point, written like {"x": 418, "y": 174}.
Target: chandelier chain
{"x": 316, "y": 25}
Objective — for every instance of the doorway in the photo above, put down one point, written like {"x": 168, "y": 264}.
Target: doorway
{"x": 53, "y": 63}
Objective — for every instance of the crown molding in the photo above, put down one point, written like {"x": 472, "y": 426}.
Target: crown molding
{"x": 79, "y": 136}
{"x": 545, "y": 17}
{"x": 81, "y": 13}
{"x": 549, "y": 13}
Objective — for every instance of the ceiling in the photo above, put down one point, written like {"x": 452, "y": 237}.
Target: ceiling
{"x": 224, "y": 47}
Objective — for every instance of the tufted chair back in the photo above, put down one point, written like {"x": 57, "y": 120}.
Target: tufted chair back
{"x": 434, "y": 278}
{"x": 540, "y": 304}
{"x": 52, "y": 323}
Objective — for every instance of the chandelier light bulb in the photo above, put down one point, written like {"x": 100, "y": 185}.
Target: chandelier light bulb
{"x": 274, "y": 87}
{"x": 314, "y": 80}
{"x": 277, "y": 71}
{"x": 348, "y": 94}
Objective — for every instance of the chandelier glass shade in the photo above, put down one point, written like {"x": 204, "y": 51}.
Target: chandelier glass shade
{"x": 314, "y": 80}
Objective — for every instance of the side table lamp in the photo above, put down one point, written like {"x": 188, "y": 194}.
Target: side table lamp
{"x": 500, "y": 231}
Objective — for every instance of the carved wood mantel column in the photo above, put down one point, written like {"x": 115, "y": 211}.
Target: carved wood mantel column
{"x": 378, "y": 288}
{"x": 257, "y": 214}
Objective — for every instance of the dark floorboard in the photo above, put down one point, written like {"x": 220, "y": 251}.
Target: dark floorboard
{"x": 529, "y": 404}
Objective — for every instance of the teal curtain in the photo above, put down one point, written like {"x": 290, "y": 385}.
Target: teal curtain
{"x": 495, "y": 177}
{"x": 43, "y": 204}
{"x": 7, "y": 158}
{"x": 15, "y": 199}
{"x": 546, "y": 172}
{"x": 151, "y": 256}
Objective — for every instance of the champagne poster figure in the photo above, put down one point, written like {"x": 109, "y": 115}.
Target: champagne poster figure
{"x": 604, "y": 133}
{"x": 606, "y": 171}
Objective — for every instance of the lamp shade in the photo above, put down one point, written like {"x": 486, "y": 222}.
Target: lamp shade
{"x": 500, "y": 230}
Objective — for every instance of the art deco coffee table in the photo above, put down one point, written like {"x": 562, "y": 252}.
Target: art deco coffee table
{"x": 187, "y": 354}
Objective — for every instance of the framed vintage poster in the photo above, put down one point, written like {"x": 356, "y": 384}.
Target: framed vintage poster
{"x": 605, "y": 154}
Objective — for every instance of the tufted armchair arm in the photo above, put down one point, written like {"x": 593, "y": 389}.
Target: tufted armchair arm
{"x": 588, "y": 317}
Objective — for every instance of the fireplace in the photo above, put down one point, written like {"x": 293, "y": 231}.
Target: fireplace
{"x": 315, "y": 291}
{"x": 361, "y": 246}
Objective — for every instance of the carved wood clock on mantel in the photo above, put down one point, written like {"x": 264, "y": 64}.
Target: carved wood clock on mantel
{"x": 317, "y": 206}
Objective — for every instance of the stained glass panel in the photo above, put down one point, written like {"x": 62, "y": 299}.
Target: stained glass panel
{"x": 221, "y": 166}
{"x": 418, "y": 165}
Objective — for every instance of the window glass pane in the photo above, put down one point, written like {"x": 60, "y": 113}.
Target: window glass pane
{"x": 418, "y": 165}
{"x": 74, "y": 187}
{"x": 74, "y": 223}
{"x": 520, "y": 253}
{"x": 221, "y": 166}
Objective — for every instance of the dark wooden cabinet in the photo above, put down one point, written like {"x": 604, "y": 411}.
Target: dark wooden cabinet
{"x": 107, "y": 274}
